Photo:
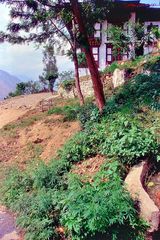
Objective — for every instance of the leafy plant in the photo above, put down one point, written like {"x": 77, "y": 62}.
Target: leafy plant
{"x": 129, "y": 141}
{"x": 120, "y": 40}
{"x": 82, "y": 59}
{"x": 102, "y": 207}
{"x": 46, "y": 197}
{"x": 88, "y": 113}
{"x": 153, "y": 64}
{"x": 69, "y": 112}
{"x": 110, "y": 69}
{"x": 68, "y": 84}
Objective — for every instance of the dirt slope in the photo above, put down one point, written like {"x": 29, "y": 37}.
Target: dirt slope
{"x": 13, "y": 108}
{"x": 27, "y": 134}
{"x": 31, "y": 134}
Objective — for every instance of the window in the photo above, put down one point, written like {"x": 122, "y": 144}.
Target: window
{"x": 97, "y": 28}
{"x": 109, "y": 53}
{"x": 95, "y": 51}
{"x": 111, "y": 58}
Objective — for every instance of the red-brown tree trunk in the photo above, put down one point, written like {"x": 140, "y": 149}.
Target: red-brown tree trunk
{"x": 97, "y": 84}
{"x": 77, "y": 80}
{"x": 75, "y": 61}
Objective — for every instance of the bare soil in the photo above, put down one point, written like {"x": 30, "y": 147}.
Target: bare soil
{"x": 27, "y": 134}
{"x": 13, "y": 108}
{"x": 89, "y": 167}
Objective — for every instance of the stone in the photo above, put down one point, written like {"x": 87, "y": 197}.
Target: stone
{"x": 134, "y": 184}
{"x": 118, "y": 78}
{"x": 86, "y": 88}
{"x": 38, "y": 140}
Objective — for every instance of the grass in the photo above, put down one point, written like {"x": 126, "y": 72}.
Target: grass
{"x": 35, "y": 150}
{"x": 22, "y": 123}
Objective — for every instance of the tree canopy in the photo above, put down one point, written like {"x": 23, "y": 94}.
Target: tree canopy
{"x": 37, "y": 21}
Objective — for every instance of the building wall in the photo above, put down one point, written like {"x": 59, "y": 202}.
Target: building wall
{"x": 102, "y": 49}
{"x": 104, "y": 41}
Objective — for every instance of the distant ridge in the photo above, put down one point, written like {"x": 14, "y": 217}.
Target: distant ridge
{"x": 7, "y": 83}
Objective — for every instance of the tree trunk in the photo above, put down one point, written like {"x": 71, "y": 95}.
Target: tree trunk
{"x": 77, "y": 80}
{"x": 97, "y": 84}
{"x": 75, "y": 61}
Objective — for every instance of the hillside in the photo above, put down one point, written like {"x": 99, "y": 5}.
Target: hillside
{"x": 7, "y": 83}
{"x": 63, "y": 170}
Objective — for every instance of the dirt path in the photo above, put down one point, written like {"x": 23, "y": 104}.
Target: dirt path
{"x": 13, "y": 108}
{"x": 8, "y": 229}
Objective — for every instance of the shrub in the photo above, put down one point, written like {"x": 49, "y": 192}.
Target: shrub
{"x": 110, "y": 69}
{"x": 69, "y": 112}
{"x": 83, "y": 145}
{"x": 129, "y": 141}
{"x": 142, "y": 90}
{"x": 153, "y": 64}
{"x": 38, "y": 215}
{"x": 45, "y": 196}
{"x": 68, "y": 84}
{"x": 88, "y": 113}
{"x": 100, "y": 207}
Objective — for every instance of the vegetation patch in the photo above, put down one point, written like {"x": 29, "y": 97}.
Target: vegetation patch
{"x": 49, "y": 197}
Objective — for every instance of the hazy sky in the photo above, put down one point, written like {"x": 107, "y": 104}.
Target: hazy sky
{"x": 24, "y": 60}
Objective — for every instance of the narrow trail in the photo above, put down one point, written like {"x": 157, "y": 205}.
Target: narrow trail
{"x": 8, "y": 229}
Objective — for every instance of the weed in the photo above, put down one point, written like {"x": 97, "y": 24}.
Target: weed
{"x": 46, "y": 196}
{"x": 102, "y": 206}
{"x": 69, "y": 112}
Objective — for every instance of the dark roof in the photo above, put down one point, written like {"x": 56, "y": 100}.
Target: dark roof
{"x": 150, "y": 14}
{"x": 121, "y": 10}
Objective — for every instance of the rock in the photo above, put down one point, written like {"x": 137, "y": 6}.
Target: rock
{"x": 86, "y": 88}
{"x": 134, "y": 184}
{"x": 118, "y": 78}
{"x": 38, "y": 140}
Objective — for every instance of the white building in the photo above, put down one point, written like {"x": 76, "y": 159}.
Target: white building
{"x": 122, "y": 13}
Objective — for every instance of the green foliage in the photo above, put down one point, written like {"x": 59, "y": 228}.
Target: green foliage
{"x": 142, "y": 90}
{"x": 32, "y": 193}
{"x": 102, "y": 206}
{"x": 110, "y": 69}
{"x": 69, "y": 112}
{"x": 129, "y": 141}
{"x": 120, "y": 40}
{"x": 66, "y": 75}
{"x": 37, "y": 211}
{"x": 88, "y": 113}
{"x": 133, "y": 33}
{"x": 128, "y": 65}
{"x": 68, "y": 84}
{"x": 50, "y": 71}
{"x": 153, "y": 64}
{"x": 83, "y": 145}
{"x": 82, "y": 59}
{"x": 67, "y": 80}
{"x": 22, "y": 88}
{"x": 36, "y": 193}
{"x": 46, "y": 196}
